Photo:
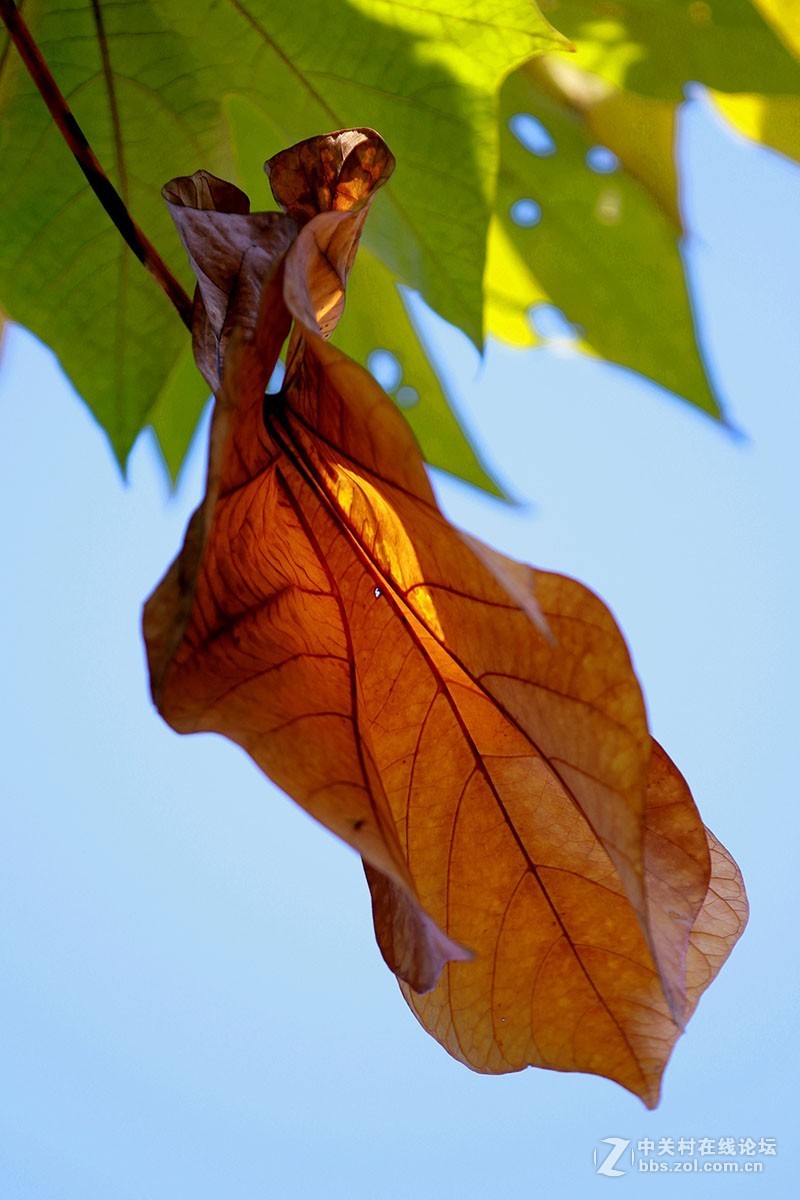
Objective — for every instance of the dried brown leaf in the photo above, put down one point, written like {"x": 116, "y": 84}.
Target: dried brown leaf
{"x": 540, "y": 878}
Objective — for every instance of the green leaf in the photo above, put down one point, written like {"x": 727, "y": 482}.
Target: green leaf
{"x": 772, "y": 120}
{"x": 162, "y": 88}
{"x": 784, "y": 17}
{"x": 605, "y": 250}
{"x": 376, "y": 318}
{"x": 150, "y": 82}
{"x": 654, "y": 46}
{"x": 177, "y": 410}
{"x": 65, "y": 272}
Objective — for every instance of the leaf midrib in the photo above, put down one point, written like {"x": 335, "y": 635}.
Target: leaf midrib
{"x": 298, "y": 458}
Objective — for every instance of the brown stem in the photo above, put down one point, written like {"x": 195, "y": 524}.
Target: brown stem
{"x": 86, "y": 159}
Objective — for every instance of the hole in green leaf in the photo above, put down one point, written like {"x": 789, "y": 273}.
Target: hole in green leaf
{"x": 602, "y": 160}
{"x": 532, "y": 134}
{"x": 407, "y": 397}
{"x": 383, "y": 365}
{"x": 551, "y": 325}
{"x": 525, "y": 213}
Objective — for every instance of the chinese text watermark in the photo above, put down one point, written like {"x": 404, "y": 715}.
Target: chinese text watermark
{"x": 615, "y": 1156}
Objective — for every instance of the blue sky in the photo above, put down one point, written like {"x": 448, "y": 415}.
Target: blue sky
{"x": 192, "y": 1001}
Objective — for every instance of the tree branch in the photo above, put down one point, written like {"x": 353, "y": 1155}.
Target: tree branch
{"x": 86, "y": 159}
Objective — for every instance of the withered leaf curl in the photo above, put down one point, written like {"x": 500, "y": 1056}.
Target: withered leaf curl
{"x": 542, "y": 884}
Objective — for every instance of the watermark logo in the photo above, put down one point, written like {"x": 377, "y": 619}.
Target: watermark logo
{"x": 608, "y": 1165}
{"x": 615, "y": 1156}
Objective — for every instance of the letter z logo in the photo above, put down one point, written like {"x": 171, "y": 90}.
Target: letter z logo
{"x": 608, "y": 1165}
